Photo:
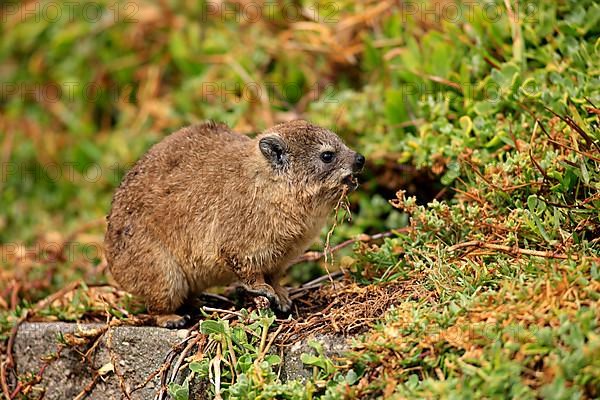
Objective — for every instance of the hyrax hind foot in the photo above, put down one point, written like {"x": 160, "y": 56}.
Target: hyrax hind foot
{"x": 172, "y": 321}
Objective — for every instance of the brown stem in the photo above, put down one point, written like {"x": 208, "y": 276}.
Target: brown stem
{"x": 9, "y": 363}
{"x": 512, "y": 250}
{"x": 312, "y": 256}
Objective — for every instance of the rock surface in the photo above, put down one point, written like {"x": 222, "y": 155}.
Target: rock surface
{"x": 292, "y": 366}
{"x": 135, "y": 352}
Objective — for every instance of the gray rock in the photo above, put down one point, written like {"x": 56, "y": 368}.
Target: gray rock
{"x": 137, "y": 352}
{"x": 292, "y": 366}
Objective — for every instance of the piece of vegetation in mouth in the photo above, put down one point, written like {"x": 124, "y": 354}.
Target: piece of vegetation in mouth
{"x": 343, "y": 204}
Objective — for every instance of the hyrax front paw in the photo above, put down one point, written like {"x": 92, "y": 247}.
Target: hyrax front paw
{"x": 279, "y": 300}
{"x": 262, "y": 289}
{"x": 283, "y": 303}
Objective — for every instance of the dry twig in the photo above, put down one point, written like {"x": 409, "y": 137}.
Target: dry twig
{"x": 342, "y": 202}
{"x": 312, "y": 256}
{"x": 220, "y": 310}
{"x": 88, "y": 388}
{"x": 9, "y": 363}
{"x": 512, "y": 250}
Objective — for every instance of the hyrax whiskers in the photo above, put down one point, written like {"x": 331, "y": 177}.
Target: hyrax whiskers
{"x": 207, "y": 206}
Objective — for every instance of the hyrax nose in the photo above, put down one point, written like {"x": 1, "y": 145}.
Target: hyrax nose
{"x": 359, "y": 162}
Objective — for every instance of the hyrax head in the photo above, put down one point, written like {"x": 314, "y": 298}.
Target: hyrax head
{"x": 311, "y": 156}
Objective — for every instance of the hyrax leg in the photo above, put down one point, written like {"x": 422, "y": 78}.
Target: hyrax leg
{"x": 149, "y": 271}
{"x": 168, "y": 296}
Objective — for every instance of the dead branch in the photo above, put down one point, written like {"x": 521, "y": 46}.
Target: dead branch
{"x": 166, "y": 366}
{"x": 313, "y": 256}
{"x": 512, "y": 250}
{"x": 573, "y": 125}
{"x": 314, "y": 284}
{"x": 113, "y": 359}
{"x": 177, "y": 366}
{"x": 221, "y": 310}
{"x": 9, "y": 363}
{"x": 50, "y": 299}
{"x": 342, "y": 202}
{"x": 267, "y": 347}
{"x": 88, "y": 388}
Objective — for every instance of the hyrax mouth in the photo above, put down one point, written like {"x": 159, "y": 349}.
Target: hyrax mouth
{"x": 350, "y": 181}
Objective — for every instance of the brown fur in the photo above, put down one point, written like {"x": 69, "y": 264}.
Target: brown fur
{"x": 207, "y": 207}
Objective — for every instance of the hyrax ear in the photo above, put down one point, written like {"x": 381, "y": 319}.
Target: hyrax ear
{"x": 274, "y": 150}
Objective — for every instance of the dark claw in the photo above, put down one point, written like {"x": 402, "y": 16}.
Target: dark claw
{"x": 270, "y": 296}
{"x": 277, "y": 305}
{"x": 283, "y": 309}
{"x": 274, "y": 302}
{"x": 179, "y": 323}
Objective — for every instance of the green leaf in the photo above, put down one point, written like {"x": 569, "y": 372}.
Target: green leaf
{"x": 540, "y": 226}
{"x": 532, "y": 202}
{"x": 317, "y": 346}
{"x": 209, "y": 326}
{"x": 351, "y": 377}
{"x": 245, "y": 362}
{"x": 200, "y": 367}
{"x": 585, "y": 175}
{"x": 310, "y": 359}
{"x": 506, "y": 77}
{"x": 530, "y": 88}
{"x": 273, "y": 359}
{"x": 180, "y": 392}
{"x": 486, "y": 107}
{"x": 239, "y": 336}
{"x": 395, "y": 101}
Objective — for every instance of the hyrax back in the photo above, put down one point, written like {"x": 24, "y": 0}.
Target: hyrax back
{"x": 207, "y": 206}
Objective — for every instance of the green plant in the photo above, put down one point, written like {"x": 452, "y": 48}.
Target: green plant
{"x": 237, "y": 360}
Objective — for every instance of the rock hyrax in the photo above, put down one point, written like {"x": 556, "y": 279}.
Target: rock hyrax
{"x": 207, "y": 206}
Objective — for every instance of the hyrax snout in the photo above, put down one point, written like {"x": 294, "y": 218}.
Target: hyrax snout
{"x": 207, "y": 206}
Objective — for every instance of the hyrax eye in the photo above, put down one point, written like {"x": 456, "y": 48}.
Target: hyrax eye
{"x": 327, "y": 156}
